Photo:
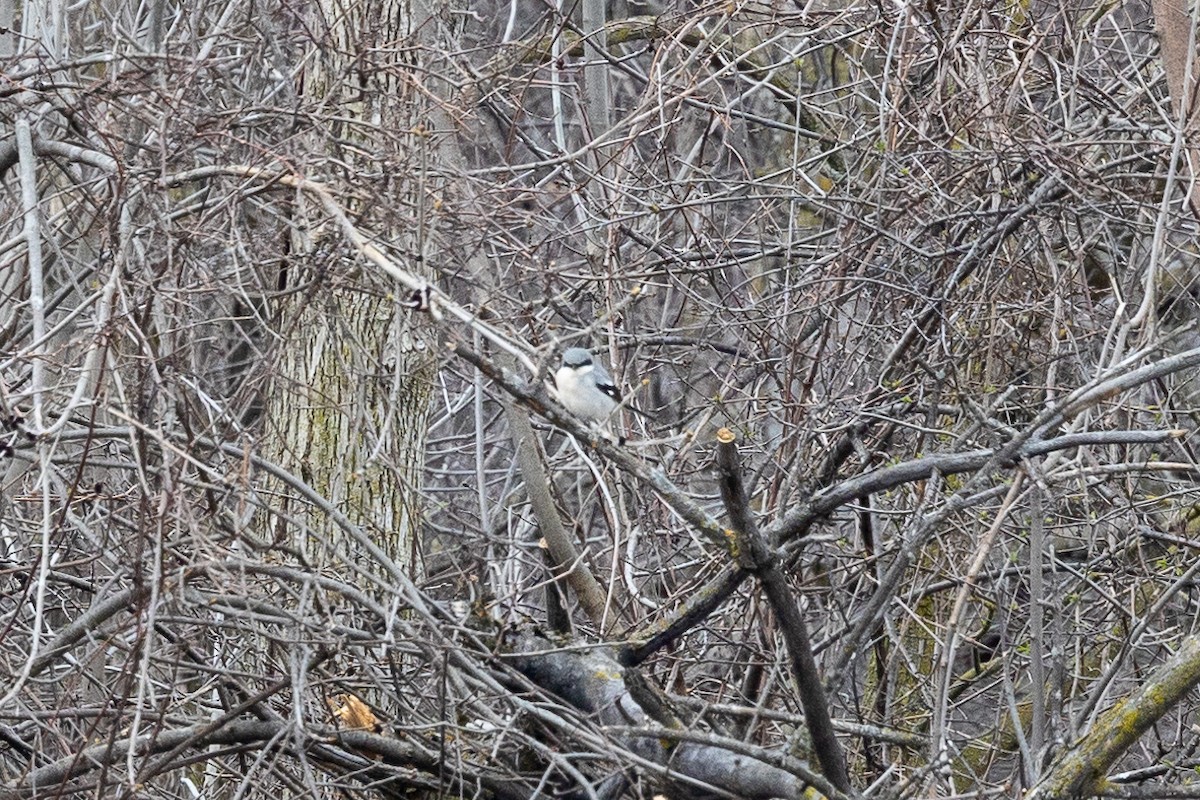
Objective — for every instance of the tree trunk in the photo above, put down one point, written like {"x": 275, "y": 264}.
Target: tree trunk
{"x": 349, "y": 409}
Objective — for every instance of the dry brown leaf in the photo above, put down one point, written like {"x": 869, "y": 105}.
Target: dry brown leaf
{"x": 353, "y": 713}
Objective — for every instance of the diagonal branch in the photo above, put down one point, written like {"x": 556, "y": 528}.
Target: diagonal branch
{"x": 754, "y": 554}
{"x": 797, "y": 522}
{"x": 1080, "y": 771}
{"x": 566, "y": 557}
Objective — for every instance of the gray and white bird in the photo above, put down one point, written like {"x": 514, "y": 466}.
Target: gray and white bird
{"x": 585, "y": 387}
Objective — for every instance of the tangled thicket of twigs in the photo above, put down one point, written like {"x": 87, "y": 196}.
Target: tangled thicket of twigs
{"x": 272, "y": 525}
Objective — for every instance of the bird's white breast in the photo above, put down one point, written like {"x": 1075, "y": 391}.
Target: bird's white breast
{"x": 579, "y": 394}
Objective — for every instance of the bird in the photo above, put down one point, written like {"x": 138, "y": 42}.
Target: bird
{"x": 585, "y": 387}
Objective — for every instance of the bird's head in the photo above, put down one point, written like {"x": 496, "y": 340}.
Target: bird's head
{"x": 576, "y": 358}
